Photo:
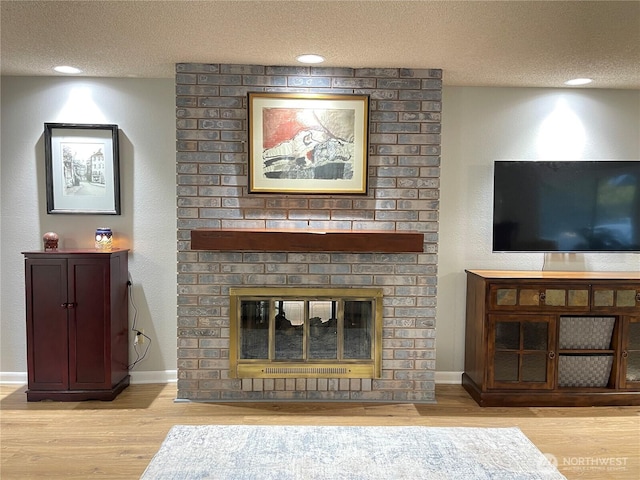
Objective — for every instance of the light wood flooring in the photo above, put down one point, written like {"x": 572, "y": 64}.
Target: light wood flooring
{"x": 116, "y": 440}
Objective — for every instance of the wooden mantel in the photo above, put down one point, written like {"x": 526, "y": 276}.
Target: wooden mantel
{"x": 264, "y": 240}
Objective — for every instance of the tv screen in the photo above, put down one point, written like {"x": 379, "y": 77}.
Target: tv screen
{"x": 566, "y": 206}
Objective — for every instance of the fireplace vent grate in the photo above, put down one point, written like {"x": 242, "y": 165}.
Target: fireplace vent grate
{"x": 306, "y": 370}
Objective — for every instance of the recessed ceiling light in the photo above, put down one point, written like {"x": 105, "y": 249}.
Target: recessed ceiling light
{"x": 310, "y": 58}
{"x": 578, "y": 81}
{"x": 67, "y": 69}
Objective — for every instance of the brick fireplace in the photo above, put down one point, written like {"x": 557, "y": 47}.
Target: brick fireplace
{"x": 403, "y": 195}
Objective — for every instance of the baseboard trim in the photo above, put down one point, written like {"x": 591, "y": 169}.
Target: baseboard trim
{"x": 167, "y": 376}
{"x": 448, "y": 378}
{"x": 171, "y": 376}
{"x": 13, "y": 378}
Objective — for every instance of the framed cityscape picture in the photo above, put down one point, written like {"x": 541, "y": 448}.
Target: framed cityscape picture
{"x": 308, "y": 143}
{"x": 82, "y": 168}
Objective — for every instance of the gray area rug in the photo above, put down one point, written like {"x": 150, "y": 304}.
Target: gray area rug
{"x": 260, "y": 452}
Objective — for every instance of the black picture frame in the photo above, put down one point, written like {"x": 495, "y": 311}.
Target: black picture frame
{"x": 82, "y": 168}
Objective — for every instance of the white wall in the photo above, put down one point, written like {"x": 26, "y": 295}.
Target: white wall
{"x": 144, "y": 110}
{"x": 480, "y": 125}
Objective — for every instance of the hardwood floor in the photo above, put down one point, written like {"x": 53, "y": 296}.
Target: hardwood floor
{"x": 116, "y": 440}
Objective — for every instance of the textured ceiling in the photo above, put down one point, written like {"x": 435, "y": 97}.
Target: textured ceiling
{"x": 514, "y": 43}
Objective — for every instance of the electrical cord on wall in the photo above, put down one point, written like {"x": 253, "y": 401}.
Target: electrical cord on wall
{"x": 134, "y": 329}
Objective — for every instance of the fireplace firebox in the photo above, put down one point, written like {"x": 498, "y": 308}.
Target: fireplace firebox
{"x": 305, "y": 332}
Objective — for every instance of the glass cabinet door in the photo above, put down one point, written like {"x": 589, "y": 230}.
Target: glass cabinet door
{"x": 521, "y": 351}
{"x": 631, "y": 353}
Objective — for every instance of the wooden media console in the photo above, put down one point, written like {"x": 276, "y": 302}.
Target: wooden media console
{"x": 552, "y": 338}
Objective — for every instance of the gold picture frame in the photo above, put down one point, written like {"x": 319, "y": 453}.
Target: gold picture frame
{"x": 308, "y": 143}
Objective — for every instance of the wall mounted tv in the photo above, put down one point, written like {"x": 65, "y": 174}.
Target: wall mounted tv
{"x": 566, "y": 206}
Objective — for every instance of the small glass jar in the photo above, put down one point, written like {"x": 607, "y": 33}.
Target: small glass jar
{"x": 104, "y": 238}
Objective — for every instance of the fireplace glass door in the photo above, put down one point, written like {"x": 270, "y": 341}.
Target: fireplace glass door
{"x": 307, "y": 334}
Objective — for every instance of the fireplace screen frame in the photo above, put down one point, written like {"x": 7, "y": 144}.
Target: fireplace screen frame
{"x": 271, "y": 367}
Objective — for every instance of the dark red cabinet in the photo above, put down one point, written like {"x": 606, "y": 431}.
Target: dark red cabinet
{"x": 77, "y": 324}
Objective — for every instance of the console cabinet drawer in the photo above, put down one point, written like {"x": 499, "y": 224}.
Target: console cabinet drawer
{"x": 533, "y": 298}
{"x": 618, "y": 298}
{"x": 577, "y": 298}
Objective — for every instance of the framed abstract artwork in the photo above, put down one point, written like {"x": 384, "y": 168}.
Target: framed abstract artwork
{"x": 308, "y": 143}
{"x": 82, "y": 168}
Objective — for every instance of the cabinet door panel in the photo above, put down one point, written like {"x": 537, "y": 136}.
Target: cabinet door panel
{"x": 632, "y": 374}
{"x": 630, "y": 371}
{"x": 534, "y": 367}
{"x": 89, "y": 364}
{"x": 520, "y": 351}
{"x": 506, "y": 366}
{"x": 47, "y": 351}
{"x": 507, "y": 335}
{"x": 535, "y": 336}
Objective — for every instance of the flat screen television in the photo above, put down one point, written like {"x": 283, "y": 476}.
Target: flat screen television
{"x": 566, "y": 206}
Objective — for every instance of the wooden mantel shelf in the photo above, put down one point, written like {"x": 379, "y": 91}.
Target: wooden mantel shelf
{"x": 263, "y": 240}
